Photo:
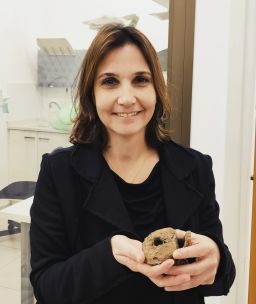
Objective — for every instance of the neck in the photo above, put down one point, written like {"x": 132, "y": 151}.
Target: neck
{"x": 131, "y": 158}
{"x": 126, "y": 149}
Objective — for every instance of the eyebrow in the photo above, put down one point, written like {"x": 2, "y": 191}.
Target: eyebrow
{"x": 113, "y": 74}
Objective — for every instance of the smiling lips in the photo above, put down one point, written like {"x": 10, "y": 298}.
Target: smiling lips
{"x": 124, "y": 114}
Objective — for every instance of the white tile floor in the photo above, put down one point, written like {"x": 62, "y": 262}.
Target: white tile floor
{"x": 9, "y": 268}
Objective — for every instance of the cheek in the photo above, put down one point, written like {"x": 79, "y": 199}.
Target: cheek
{"x": 101, "y": 102}
{"x": 148, "y": 97}
{"x": 154, "y": 100}
{"x": 150, "y": 103}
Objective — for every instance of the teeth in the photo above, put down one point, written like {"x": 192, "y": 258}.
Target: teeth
{"x": 127, "y": 114}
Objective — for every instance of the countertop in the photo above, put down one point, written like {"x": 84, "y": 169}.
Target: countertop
{"x": 33, "y": 125}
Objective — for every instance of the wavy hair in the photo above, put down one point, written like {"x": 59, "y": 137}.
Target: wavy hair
{"x": 87, "y": 127}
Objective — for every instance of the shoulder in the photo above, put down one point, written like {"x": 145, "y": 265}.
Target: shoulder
{"x": 186, "y": 163}
{"x": 58, "y": 155}
{"x": 185, "y": 151}
{"x": 84, "y": 159}
{"x": 201, "y": 159}
{"x": 66, "y": 153}
{"x": 55, "y": 160}
{"x": 182, "y": 156}
{"x": 61, "y": 152}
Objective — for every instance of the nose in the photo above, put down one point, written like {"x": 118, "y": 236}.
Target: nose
{"x": 126, "y": 101}
{"x": 126, "y": 97}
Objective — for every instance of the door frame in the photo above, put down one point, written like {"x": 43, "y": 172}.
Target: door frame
{"x": 180, "y": 67}
{"x": 247, "y": 147}
{"x": 252, "y": 271}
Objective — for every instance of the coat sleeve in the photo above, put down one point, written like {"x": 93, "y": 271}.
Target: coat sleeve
{"x": 57, "y": 275}
{"x": 210, "y": 225}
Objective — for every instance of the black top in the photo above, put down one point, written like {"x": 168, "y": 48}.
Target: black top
{"x": 144, "y": 202}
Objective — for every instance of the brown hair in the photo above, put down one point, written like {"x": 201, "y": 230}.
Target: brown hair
{"x": 87, "y": 126}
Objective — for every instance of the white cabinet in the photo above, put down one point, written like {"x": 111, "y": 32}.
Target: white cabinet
{"x": 47, "y": 142}
{"x": 26, "y": 149}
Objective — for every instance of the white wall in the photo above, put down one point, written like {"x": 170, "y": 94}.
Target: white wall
{"x": 22, "y": 21}
{"x": 65, "y": 17}
{"x": 223, "y": 118}
{"x": 17, "y": 67}
{"x": 210, "y": 89}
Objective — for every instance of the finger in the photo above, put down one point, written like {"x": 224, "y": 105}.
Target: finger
{"x": 145, "y": 269}
{"x": 180, "y": 233}
{"x": 192, "y": 269}
{"x": 154, "y": 271}
{"x": 138, "y": 252}
{"x": 168, "y": 280}
{"x": 128, "y": 262}
{"x": 194, "y": 282}
{"x": 131, "y": 249}
{"x": 193, "y": 251}
{"x": 140, "y": 257}
{"x": 209, "y": 280}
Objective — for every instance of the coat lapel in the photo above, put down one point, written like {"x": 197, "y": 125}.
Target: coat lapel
{"x": 180, "y": 198}
{"x": 103, "y": 198}
{"x": 106, "y": 202}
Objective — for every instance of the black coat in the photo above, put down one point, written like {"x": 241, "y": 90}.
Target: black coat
{"x": 77, "y": 208}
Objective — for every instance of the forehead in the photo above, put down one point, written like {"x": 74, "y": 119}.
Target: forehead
{"x": 127, "y": 56}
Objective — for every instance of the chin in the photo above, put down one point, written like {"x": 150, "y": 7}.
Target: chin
{"x": 128, "y": 134}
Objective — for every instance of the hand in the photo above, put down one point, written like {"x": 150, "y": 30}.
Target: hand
{"x": 201, "y": 272}
{"x": 128, "y": 252}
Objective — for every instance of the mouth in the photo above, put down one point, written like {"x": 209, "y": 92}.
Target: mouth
{"x": 126, "y": 115}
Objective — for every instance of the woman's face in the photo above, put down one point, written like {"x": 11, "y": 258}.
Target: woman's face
{"x": 124, "y": 92}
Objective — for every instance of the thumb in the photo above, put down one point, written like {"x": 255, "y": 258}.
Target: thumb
{"x": 134, "y": 251}
{"x": 130, "y": 248}
{"x": 180, "y": 233}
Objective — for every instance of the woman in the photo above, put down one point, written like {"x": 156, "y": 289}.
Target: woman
{"x": 123, "y": 178}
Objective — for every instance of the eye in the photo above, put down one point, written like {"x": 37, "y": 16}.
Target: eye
{"x": 109, "y": 81}
{"x": 141, "y": 80}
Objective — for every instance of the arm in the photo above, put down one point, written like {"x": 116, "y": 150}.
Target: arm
{"x": 210, "y": 225}
{"x": 213, "y": 273}
{"x": 58, "y": 275}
